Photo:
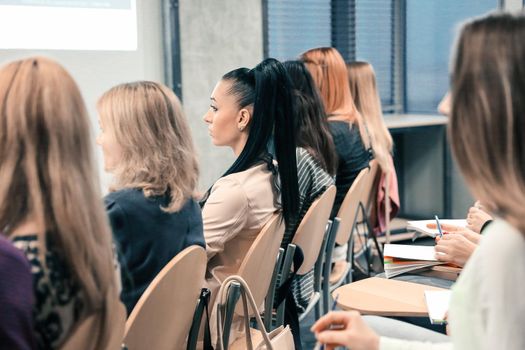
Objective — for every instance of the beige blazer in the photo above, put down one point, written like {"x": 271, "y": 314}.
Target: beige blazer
{"x": 238, "y": 207}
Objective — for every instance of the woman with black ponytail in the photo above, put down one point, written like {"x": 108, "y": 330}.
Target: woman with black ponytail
{"x": 251, "y": 111}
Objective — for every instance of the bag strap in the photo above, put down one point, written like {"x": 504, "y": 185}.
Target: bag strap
{"x": 204, "y": 299}
{"x": 247, "y": 300}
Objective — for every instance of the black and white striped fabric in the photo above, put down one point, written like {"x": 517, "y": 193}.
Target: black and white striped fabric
{"x": 313, "y": 181}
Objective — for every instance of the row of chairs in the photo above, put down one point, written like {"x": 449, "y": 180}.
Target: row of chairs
{"x": 163, "y": 316}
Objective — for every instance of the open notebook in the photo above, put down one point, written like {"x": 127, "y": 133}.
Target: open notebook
{"x": 421, "y": 225}
{"x": 437, "y": 305}
{"x": 400, "y": 258}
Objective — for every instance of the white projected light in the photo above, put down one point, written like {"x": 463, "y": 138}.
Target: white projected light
{"x": 68, "y": 24}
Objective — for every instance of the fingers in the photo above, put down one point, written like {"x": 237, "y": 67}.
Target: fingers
{"x": 446, "y": 227}
{"x": 332, "y": 337}
{"x": 441, "y": 248}
{"x": 333, "y": 317}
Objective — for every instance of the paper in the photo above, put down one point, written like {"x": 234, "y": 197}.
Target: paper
{"x": 410, "y": 252}
{"x": 437, "y": 305}
{"x": 400, "y": 258}
{"x": 421, "y": 225}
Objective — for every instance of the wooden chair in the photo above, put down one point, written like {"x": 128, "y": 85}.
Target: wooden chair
{"x": 341, "y": 232}
{"x": 163, "y": 315}
{"x": 257, "y": 267}
{"x": 88, "y": 330}
{"x": 362, "y": 246}
{"x": 310, "y": 237}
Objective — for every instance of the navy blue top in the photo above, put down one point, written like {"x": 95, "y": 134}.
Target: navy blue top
{"x": 16, "y": 299}
{"x": 147, "y": 237}
{"x": 352, "y": 158}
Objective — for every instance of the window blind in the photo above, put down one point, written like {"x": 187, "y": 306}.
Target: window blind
{"x": 294, "y": 26}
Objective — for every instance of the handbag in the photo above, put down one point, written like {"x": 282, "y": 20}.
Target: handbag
{"x": 279, "y": 339}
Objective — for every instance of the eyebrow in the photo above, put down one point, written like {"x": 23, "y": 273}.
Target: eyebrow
{"x": 213, "y": 99}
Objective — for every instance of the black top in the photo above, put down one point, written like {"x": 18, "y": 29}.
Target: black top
{"x": 352, "y": 158}
{"x": 148, "y": 238}
{"x": 16, "y": 299}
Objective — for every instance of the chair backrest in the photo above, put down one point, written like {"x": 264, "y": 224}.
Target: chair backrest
{"x": 310, "y": 233}
{"x": 87, "y": 332}
{"x": 348, "y": 210}
{"x": 370, "y": 184}
{"x": 258, "y": 264}
{"x": 162, "y": 317}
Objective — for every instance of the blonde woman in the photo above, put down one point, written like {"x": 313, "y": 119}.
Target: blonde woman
{"x": 50, "y": 201}
{"x": 362, "y": 81}
{"x": 363, "y": 89}
{"x": 147, "y": 146}
{"x": 487, "y": 309}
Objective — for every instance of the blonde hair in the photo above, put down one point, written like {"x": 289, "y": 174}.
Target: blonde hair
{"x": 488, "y": 113}
{"x": 363, "y": 88}
{"x": 328, "y": 69}
{"x": 149, "y": 125}
{"x": 47, "y": 173}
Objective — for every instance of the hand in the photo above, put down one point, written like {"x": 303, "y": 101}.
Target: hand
{"x": 454, "y": 248}
{"x": 353, "y": 332}
{"x": 476, "y": 217}
{"x": 465, "y": 232}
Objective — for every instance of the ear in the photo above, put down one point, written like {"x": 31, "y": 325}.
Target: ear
{"x": 244, "y": 119}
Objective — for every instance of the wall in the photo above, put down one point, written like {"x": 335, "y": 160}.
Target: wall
{"x": 216, "y": 37}
{"x": 97, "y": 71}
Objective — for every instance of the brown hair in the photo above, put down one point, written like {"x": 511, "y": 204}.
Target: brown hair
{"x": 149, "y": 125}
{"x": 488, "y": 112}
{"x": 47, "y": 172}
{"x": 328, "y": 69}
{"x": 362, "y": 80}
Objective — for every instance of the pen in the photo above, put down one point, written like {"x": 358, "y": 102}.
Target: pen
{"x": 439, "y": 227}
{"x": 334, "y": 305}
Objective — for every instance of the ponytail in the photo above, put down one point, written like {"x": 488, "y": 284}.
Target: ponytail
{"x": 268, "y": 88}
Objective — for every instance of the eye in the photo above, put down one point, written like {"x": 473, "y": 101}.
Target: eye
{"x": 213, "y": 108}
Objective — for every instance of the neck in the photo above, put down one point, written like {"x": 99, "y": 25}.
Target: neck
{"x": 239, "y": 146}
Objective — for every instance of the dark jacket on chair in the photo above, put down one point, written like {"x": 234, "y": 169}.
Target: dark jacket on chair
{"x": 147, "y": 237}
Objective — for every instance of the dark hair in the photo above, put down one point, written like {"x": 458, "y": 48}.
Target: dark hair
{"x": 312, "y": 130}
{"x": 268, "y": 87}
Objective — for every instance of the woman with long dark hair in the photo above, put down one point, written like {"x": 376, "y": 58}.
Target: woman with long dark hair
{"x": 316, "y": 161}
{"x": 251, "y": 111}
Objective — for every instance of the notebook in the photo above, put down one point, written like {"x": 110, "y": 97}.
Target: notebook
{"x": 400, "y": 258}
{"x": 437, "y": 305}
{"x": 421, "y": 225}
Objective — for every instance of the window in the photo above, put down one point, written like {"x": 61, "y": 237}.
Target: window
{"x": 294, "y": 26}
{"x": 431, "y": 27}
{"x": 408, "y": 42}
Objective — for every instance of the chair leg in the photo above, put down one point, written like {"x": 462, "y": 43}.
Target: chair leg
{"x": 270, "y": 296}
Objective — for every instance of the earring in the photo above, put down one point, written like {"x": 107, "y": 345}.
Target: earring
{"x": 241, "y": 128}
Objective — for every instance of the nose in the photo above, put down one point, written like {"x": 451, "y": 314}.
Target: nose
{"x": 208, "y": 117}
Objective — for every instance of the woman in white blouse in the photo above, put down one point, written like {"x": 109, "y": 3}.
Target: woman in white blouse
{"x": 487, "y": 309}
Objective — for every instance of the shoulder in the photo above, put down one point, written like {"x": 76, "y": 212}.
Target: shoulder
{"x": 12, "y": 258}
{"x": 123, "y": 196}
{"x": 504, "y": 244}
{"x": 229, "y": 189}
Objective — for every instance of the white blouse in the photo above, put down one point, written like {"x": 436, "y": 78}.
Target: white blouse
{"x": 487, "y": 308}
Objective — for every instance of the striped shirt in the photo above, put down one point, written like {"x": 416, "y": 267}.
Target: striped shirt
{"x": 313, "y": 181}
